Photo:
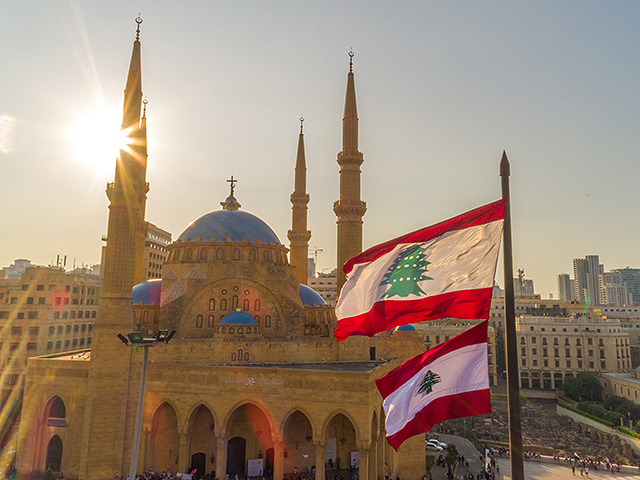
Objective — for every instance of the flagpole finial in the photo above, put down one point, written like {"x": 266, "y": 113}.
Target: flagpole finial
{"x": 505, "y": 169}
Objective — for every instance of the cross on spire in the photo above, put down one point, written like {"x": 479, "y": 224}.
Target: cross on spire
{"x": 232, "y": 182}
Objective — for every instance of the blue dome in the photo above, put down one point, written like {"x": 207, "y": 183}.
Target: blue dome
{"x": 147, "y": 292}
{"x": 310, "y": 297}
{"x": 233, "y": 224}
{"x": 238, "y": 318}
{"x": 405, "y": 328}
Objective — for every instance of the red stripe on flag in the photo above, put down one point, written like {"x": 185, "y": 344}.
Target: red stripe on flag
{"x": 461, "y": 405}
{"x": 467, "y": 304}
{"x": 397, "y": 377}
{"x": 479, "y": 216}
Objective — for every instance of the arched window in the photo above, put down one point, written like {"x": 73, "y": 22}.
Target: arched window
{"x": 257, "y": 319}
{"x": 54, "y": 454}
{"x": 212, "y": 304}
{"x": 245, "y": 305}
{"x": 248, "y": 330}
{"x": 189, "y": 253}
{"x": 265, "y": 256}
{"x": 224, "y": 329}
{"x": 199, "y": 321}
{"x": 145, "y": 316}
{"x": 231, "y": 330}
{"x": 203, "y": 254}
{"x": 276, "y": 257}
{"x": 257, "y": 306}
{"x": 311, "y": 318}
{"x": 236, "y": 254}
{"x": 246, "y": 356}
{"x": 223, "y": 305}
{"x": 555, "y": 341}
{"x": 240, "y": 331}
{"x": 267, "y": 321}
{"x": 544, "y": 340}
{"x": 578, "y": 342}
{"x": 522, "y": 340}
{"x": 57, "y": 409}
{"x": 219, "y": 254}
{"x": 234, "y": 303}
{"x": 240, "y": 354}
{"x": 211, "y": 322}
{"x": 566, "y": 341}
{"x": 252, "y": 254}
{"x": 233, "y": 357}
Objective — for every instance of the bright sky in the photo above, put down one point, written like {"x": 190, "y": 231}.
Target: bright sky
{"x": 442, "y": 87}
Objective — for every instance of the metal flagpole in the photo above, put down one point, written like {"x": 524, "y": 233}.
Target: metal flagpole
{"x": 513, "y": 392}
{"x": 136, "y": 435}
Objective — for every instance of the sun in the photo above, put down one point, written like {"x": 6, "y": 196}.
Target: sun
{"x": 98, "y": 139}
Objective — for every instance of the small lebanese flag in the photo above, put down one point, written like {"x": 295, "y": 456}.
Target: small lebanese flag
{"x": 443, "y": 271}
{"x": 169, "y": 468}
{"x": 193, "y": 472}
{"x": 448, "y": 381}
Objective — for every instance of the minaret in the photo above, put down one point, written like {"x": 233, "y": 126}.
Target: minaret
{"x": 350, "y": 208}
{"x": 299, "y": 235}
{"x": 113, "y": 365}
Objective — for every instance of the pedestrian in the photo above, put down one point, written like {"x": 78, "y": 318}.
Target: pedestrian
{"x": 573, "y": 469}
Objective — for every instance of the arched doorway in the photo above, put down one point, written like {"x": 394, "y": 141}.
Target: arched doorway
{"x": 236, "y": 452}
{"x": 198, "y": 462}
{"x": 268, "y": 467}
{"x": 298, "y": 436}
{"x": 202, "y": 438}
{"x": 54, "y": 454}
{"x": 165, "y": 438}
{"x": 341, "y": 435}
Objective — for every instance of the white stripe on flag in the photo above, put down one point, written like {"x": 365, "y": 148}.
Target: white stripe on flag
{"x": 459, "y": 260}
{"x": 462, "y": 370}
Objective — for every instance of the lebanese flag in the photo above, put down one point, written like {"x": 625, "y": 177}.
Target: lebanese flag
{"x": 448, "y": 381}
{"x": 443, "y": 271}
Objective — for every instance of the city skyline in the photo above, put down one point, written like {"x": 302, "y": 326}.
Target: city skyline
{"x": 441, "y": 90}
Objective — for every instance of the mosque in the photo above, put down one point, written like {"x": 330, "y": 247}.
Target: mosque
{"x": 253, "y": 375}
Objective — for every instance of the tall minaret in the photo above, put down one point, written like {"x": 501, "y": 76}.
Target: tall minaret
{"x": 113, "y": 365}
{"x": 350, "y": 208}
{"x": 299, "y": 235}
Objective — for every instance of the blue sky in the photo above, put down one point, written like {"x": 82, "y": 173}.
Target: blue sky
{"x": 442, "y": 87}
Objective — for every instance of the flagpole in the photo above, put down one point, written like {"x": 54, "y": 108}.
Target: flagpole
{"x": 513, "y": 387}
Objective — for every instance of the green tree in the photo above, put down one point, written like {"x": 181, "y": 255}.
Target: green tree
{"x": 584, "y": 386}
{"x": 451, "y": 457}
{"x": 403, "y": 276}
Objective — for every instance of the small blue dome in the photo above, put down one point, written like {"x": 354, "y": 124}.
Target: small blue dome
{"x": 238, "y": 318}
{"x": 405, "y": 328}
{"x": 233, "y": 224}
{"x": 311, "y": 298}
{"x": 147, "y": 292}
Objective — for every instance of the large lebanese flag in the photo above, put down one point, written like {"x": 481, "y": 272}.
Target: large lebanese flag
{"x": 443, "y": 271}
{"x": 448, "y": 381}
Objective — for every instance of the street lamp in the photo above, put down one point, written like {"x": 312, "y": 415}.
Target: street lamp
{"x": 137, "y": 340}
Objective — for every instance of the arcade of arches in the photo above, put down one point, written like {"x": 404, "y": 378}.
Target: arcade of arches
{"x": 294, "y": 442}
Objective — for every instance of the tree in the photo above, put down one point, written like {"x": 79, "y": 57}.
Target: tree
{"x": 586, "y": 386}
{"x": 451, "y": 458}
{"x": 405, "y": 273}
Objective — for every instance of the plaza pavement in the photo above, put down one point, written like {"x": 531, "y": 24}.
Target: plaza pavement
{"x": 539, "y": 469}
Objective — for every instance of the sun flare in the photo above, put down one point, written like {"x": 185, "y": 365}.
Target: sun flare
{"x": 98, "y": 138}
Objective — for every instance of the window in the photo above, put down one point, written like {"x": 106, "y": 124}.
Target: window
{"x": 212, "y": 304}
{"x": 29, "y": 300}
{"x": 41, "y": 300}
{"x": 33, "y": 330}
{"x": 557, "y": 363}
{"x": 234, "y": 303}
{"x": 68, "y": 329}
{"x": 56, "y": 314}
{"x": 219, "y": 254}
{"x": 523, "y": 352}
{"x": 534, "y": 351}
{"x": 591, "y": 353}
{"x": 257, "y": 306}
{"x": 20, "y": 315}
{"x": 75, "y": 342}
{"x": 533, "y": 340}
{"x": 199, "y": 321}
{"x": 231, "y": 330}
{"x": 189, "y": 253}
{"x": 556, "y": 352}
{"x": 60, "y": 327}
{"x": 245, "y": 305}
{"x": 80, "y": 314}
{"x": 203, "y": 254}
{"x": 524, "y": 362}
{"x": 602, "y": 365}
{"x": 240, "y": 331}
{"x": 223, "y": 305}
{"x": 567, "y": 352}
{"x": 67, "y": 344}
{"x": 522, "y": 341}
{"x": 236, "y": 254}
{"x": 265, "y": 256}
{"x": 76, "y": 328}
{"x": 267, "y": 321}
{"x": 210, "y": 322}
{"x": 25, "y": 287}
{"x": 52, "y": 330}
{"x": 252, "y": 255}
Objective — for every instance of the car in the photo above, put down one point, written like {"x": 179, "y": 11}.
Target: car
{"x": 437, "y": 442}
{"x": 433, "y": 446}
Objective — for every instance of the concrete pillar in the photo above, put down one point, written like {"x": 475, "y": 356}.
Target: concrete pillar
{"x": 373, "y": 460}
{"x": 221, "y": 454}
{"x": 321, "y": 447}
{"x": 184, "y": 460}
{"x": 278, "y": 460}
{"x": 363, "y": 452}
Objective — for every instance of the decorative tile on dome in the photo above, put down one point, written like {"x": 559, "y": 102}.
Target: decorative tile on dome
{"x": 199, "y": 272}
{"x": 174, "y": 291}
{"x": 170, "y": 275}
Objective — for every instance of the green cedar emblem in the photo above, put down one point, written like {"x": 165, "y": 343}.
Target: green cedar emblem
{"x": 427, "y": 382}
{"x": 403, "y": 276}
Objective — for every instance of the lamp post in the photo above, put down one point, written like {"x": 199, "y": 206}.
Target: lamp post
{"x": 137, "y": 340}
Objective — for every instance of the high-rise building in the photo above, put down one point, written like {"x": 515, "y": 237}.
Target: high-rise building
{"x": 631, "y": 276}
{"x": 613, "y": 290}
{"x": 585, "y": 275}
{"x": 566, "y": 289}
{"x": 155, "y": 251}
